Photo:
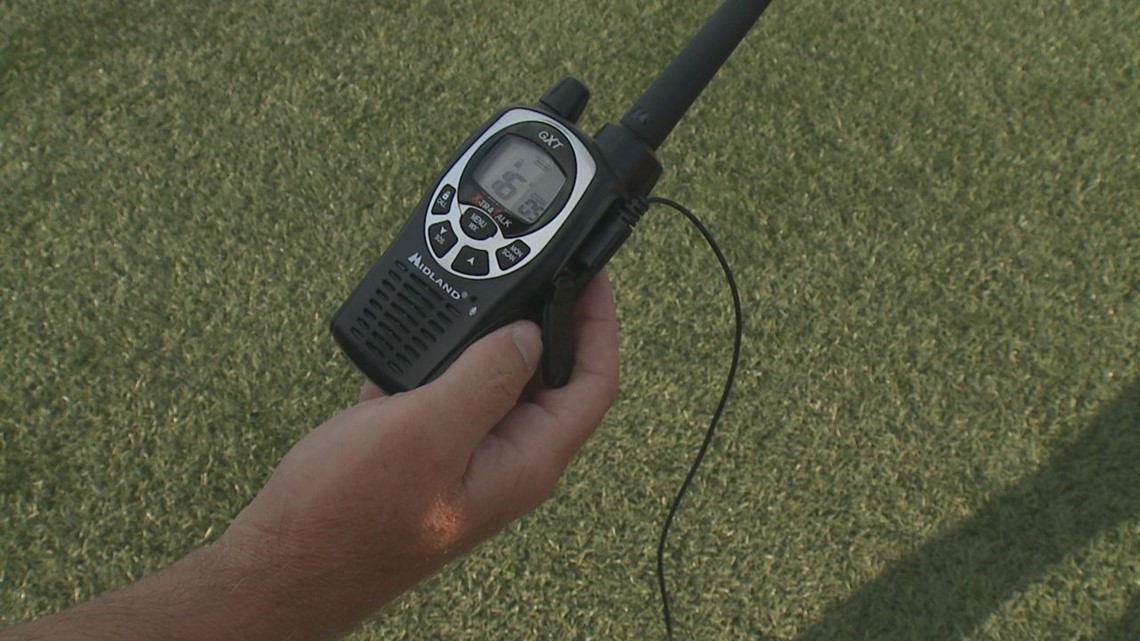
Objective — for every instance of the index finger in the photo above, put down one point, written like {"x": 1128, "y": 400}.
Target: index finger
{"x": 370, "y": 391}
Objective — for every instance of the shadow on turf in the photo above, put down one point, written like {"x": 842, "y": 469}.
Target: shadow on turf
{"x": 946, "y": 589}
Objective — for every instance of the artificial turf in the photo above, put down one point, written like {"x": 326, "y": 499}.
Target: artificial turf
{"x": 933, "y": 210}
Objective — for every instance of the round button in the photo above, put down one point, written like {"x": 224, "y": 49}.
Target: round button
{"x": 477, "y": 224}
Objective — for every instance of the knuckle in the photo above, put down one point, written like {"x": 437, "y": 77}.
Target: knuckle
{"x": 505, "y": 378}
{"x": 502, "y": 391}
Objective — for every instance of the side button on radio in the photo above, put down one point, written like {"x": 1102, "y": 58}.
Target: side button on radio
{"x": 510, "y": 255}
{"x": 471, "y": 261}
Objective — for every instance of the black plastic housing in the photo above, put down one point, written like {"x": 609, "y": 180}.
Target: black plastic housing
{"x": 402, "y": 327}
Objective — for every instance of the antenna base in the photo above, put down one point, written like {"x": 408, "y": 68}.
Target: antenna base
{"x": 631, "y": 159}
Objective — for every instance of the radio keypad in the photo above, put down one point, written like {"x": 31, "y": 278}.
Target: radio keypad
{"x": 477, "y": 225}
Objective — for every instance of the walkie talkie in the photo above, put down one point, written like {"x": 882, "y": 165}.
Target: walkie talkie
{"x": 524, "y": 213}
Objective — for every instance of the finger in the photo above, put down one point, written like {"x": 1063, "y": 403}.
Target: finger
{"x": 370, "y": 391}
{"x": 503, "y": 481}
{"x": 522, "y": 458}
{"x": 593, "y": 383}
{"x": 482, "y": 385}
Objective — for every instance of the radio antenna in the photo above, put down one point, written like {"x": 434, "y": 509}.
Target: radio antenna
{"x": 659, "y": 109}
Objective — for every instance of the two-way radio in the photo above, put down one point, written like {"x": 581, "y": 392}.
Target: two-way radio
{"x": 523, "y": 215}
{"x": 520, "y": 218}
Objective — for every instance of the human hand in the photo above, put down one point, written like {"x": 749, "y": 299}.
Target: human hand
{"x": 390, "y": 490}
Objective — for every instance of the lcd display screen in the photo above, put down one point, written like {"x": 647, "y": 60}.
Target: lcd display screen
{"x": 521, "y": 176}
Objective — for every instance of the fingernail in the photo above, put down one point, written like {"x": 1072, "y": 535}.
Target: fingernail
{"x": 529, "y": 343}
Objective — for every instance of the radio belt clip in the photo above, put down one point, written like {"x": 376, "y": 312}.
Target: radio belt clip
{"x": 558, "y": 330}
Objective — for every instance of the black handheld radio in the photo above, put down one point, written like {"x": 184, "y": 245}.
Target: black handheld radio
{"x": 521, "y": 217}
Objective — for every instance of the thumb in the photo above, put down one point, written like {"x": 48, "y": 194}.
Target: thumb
{"x": 485, "y": 382}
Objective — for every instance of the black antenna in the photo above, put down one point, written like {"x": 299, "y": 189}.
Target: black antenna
{"x": 659, "y": 109}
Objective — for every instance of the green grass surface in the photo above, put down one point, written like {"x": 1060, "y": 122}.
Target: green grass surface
{"x": 933, "y": 210}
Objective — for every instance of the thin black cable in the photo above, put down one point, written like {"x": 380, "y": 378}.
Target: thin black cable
{"x": 737, "y": 340}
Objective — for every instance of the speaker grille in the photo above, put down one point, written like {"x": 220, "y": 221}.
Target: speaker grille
{"x": 403, "y": 318}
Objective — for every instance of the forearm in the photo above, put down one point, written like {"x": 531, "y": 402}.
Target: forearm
{"x": 375, "y": 500}
{"x": 214, "y": 593}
